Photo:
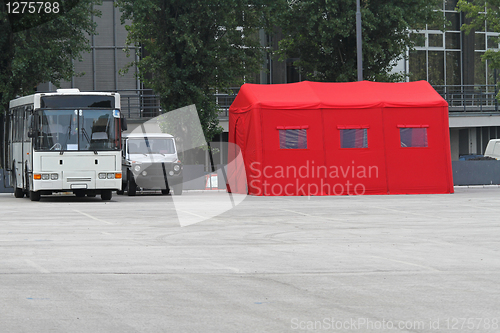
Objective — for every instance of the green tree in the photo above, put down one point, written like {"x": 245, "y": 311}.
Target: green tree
{"x": 41, "y": 46}
{"x": 191, "y": 49}
{"x": 322, "y": 34}
{"x": 479, "y": 12}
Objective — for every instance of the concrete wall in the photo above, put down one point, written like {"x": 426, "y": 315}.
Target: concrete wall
{"x": 4, "y": 189}
{"x": 476, "y": 172}
{"x": 454, "y": 144}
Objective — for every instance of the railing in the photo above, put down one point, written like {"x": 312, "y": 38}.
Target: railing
{"x": 143, "y": 104}
{"x": 139, "y": 104}
{"x": 470, "y": 98}
{"x": 224, "y": 101}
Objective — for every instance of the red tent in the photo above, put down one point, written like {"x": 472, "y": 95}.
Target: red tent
{"x": 312, "y": 138}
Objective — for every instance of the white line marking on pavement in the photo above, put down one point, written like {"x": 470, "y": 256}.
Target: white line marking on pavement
{"x": 92, "y": 217}
{"x": 408, "y": 263}
{"x": 234, "y": 269}
{"x": 404, "y": 212}
{"x": 38, "y": 267}
{"x": 310, "y": 215}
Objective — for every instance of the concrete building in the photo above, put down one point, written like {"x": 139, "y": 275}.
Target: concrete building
{"x": 449, "y": 60}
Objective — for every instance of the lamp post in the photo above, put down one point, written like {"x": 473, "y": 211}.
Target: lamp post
{"x": 358, "y": 41}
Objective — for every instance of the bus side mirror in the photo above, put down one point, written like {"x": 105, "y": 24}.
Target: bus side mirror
{"x": 124, "y": 123}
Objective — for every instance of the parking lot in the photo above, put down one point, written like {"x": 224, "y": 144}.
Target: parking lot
{"x": 408, "y": 263}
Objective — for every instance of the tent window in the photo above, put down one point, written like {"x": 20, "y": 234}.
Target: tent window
{"x": 293, "y": 138}
{"x": 354, "y": 138}
{"x": 413, "y": 136}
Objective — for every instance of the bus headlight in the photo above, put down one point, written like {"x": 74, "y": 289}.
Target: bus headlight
{"x": 110, "y": 175}
{"x": 137, "y": 168}
{"x": 177, "y": 167}
{"x": 144, "y": 173}
{"x": 46, "y": 176}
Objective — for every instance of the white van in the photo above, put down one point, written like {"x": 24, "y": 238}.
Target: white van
{"x": 493, "y": 149}
{"x": 150, "y": 162}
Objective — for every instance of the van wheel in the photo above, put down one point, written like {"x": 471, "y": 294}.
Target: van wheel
{"x": 106, "y": 195}
{"x": 131, "y": 185}
{"x": 178, "y": 189}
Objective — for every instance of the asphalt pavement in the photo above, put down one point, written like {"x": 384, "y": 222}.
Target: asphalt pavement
{"x": 399, "y": 263}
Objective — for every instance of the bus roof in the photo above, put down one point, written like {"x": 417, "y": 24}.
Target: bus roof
{"x": 35, "y": 98}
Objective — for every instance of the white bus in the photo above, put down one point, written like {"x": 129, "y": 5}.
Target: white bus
{"x": 68, "y": 141}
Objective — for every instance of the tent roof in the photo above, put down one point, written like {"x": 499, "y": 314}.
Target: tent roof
{"x": 319, "y": 95}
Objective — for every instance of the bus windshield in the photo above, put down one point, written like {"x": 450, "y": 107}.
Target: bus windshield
{"x": 76, "y": 130}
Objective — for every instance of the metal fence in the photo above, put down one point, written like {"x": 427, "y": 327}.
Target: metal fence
{"x": 143, "y": 104}
{"x": 139, "y": 104}
{"x": 470, "y": 98}
{"x": 224, "y": 101}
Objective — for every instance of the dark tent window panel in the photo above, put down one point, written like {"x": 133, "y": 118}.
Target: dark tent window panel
{"x": 353, "y": 138}
{"x": 413, "y": 137}
{"x": 293, "y": 138}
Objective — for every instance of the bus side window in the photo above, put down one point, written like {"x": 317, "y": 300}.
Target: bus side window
{"x": 19, "y": 125}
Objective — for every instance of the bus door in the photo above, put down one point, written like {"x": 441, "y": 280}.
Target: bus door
{"x": 26, "y": 145}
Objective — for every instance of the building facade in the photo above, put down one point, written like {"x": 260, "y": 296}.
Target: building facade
{"x": 449, "y": 60}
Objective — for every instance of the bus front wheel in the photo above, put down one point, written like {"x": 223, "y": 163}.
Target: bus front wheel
{"x": 106, "y": 194}
{"x": 34, "y": 195}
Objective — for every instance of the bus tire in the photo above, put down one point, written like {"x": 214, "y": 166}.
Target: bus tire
{"x": 18, "y": 192}
{"x": 34, "y": 195}
{"x": 106, "y": 195}
{"x": 79, "y": 193}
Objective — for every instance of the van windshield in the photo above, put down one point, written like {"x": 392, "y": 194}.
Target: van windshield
{"x": 151, "y": 146}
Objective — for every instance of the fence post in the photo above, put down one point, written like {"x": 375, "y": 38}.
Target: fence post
{"x": 496, "y": 88}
